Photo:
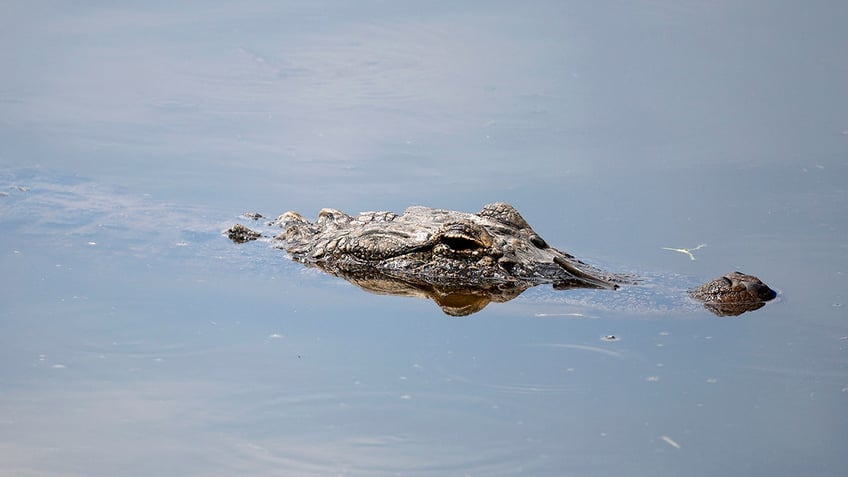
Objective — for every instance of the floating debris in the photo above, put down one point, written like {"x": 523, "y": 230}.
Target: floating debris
{"x": 670, "y": 441}
{"x": 687, "y": 251}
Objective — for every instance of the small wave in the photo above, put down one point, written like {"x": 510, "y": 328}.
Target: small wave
{"x": 377, "y": 433}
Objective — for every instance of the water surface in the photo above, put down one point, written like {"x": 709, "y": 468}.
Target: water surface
{"x": 137, "y": 340}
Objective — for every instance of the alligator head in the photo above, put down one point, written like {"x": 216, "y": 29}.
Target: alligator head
{"x": 460, "y": 260}
{"x": 494, "y": 248}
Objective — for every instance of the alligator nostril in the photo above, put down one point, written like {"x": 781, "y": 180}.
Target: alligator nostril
{"x": 760, "y": 291}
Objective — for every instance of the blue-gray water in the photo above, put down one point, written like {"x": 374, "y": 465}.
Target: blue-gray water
{"x": 136, "y": 340}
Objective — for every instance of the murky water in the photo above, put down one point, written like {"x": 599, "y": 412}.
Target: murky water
{"x": 137, "y": 340}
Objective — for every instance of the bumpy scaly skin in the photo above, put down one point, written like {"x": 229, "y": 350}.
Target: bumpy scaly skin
{"x": 495, "y": 247}
{"x": 240, "y": 234}
{"x": 733, "y": 294}
{"x": 461, "y": 260}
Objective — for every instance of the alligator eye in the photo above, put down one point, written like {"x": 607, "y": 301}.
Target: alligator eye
{"x": 461, "y": 243}
{"x": 538, "y": 241}
{"x": 464, "y": 236}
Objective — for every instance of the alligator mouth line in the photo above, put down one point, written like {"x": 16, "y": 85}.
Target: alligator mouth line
{"x": 585, "y": 277}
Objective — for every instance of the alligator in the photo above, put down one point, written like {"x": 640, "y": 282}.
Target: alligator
{"x": 460, "y": 260}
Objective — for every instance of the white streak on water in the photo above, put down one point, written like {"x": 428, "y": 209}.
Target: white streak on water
{"x": 595, "y": 349}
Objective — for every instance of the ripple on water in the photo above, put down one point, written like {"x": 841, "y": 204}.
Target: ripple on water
{"x": 542, "y": 369}
{"x": 375, "y": 433}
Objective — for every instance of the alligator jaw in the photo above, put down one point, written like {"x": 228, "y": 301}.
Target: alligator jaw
{"x": 592, "y": 281}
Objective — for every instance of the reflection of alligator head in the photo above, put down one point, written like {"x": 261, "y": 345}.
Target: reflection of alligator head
{"x": 460, "y": 260}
